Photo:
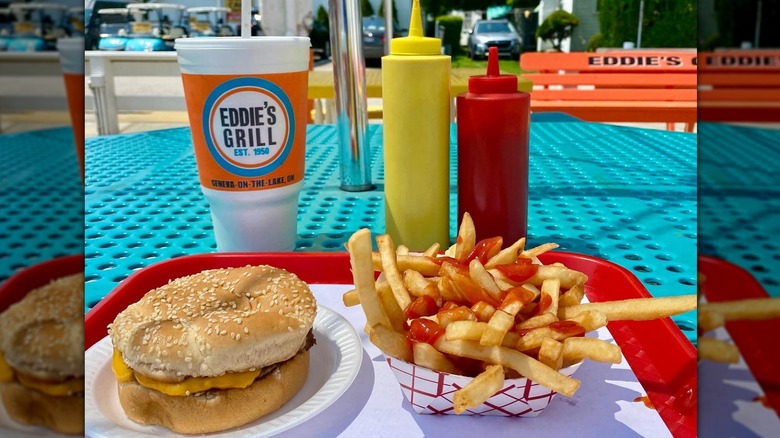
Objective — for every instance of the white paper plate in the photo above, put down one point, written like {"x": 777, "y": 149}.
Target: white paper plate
{"x": 334, "y": 364}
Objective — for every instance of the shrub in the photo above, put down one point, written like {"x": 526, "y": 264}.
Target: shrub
{"x": 666, "y": 23}
{"x": 366, "y": 8}
{"x": 557, "y": 27}
{"x": 452, "y": 27}
{"x": 595, "y": 42}
{"x": 322, "y": 17}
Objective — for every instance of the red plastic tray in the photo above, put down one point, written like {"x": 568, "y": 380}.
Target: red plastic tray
{"x": 660, "y": 355}
{"x": 757, "y": 340}
{"x": 35, "y": 276}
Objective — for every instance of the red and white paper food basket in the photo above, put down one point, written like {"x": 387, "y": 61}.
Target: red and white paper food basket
{"x": 431, "y": 392}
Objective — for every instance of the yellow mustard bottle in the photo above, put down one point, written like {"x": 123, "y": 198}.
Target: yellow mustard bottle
{"x": 416, "y": 127}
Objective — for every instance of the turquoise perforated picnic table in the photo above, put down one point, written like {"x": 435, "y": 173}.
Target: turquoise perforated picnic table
{"x": 623, "y": 194}
{"x": 41, "y": 198}
{"x": 740, "y": 199}
{"x": 739, "y": 222}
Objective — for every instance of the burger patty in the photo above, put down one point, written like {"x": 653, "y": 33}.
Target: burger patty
{"x": 310, "y": 342}
{"x": 266, "y": 370}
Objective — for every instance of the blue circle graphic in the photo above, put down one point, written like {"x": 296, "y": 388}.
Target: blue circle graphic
{"x": 262, "y": 84}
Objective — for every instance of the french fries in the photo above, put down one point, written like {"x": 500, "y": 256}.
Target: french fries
{"x": 577, "y": 349}
{"x": 523, "y": 364}
{"x": 394, "y": 313}
{"x": 717, "y": 350}
{"x": 359, "y": 244}
{"x": 485, "y": 311}
{"x": 419, "y": 285}
{"x": 638, "y": 309}
{"x": 551, "y": 353}
{"x": 390, "y": 268}
{"x": 429, "y": 357}
{"x": 714, "y": 315}
{"x": 351, "y": 298}
{"x": 390, "y": 342}
{"x": 467, "y": 238}
{"x": 572, "y": 297}
{"x": 479, "y": 390}
{"x": 506, "y": 255}
{"x": 755, "y": 309}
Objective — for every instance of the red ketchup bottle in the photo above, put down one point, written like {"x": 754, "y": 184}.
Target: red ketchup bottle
{"x": 493, "y": 120}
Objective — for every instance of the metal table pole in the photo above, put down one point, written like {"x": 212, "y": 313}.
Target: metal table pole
{"x": 346, "y": 41}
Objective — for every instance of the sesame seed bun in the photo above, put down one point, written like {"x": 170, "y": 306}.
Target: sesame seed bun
{"x": 217, "y": 410}
{"x": 28, "y": 406}
{"x": 43, "y": 334}
{"x": 215, "y": 322}
{"x": 42, "y": 337}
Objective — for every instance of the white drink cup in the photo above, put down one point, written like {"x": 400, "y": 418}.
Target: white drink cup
{"x": 247, "y": 102}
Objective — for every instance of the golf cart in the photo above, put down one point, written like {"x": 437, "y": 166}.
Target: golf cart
{"x": 209, "y": 21}
{"x": 37, "y": 26}
{"x": 6, "y": 28}
{"x": 115, "y": 28}
{"x": 76, "y": 21}
{"x": 155, "y": 26}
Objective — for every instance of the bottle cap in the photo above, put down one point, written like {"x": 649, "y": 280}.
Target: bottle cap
{"x": 493, "y": 82}
{"x": 415, "y": 43}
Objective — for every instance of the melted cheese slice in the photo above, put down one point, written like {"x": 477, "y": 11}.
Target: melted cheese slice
{"x": 188, "y": 386}
{"x": 57, "y": 389}
{"x": 6, "y": 373}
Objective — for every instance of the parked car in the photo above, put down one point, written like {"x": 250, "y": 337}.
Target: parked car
{"x": 373, "y": 37}
{"x": 494, "y": 33}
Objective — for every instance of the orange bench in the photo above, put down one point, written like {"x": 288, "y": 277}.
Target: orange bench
{"x": 740, "y": 86}
{"x": 616, "y": 86}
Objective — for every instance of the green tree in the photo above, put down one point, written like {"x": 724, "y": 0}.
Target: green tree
{"x": 666, "y": 23}
{"x": 475, "y": 5}
{"x": 557, "y": 27}
{"x": 523, "y": 3}
{"x": 366, "y": 8}
{"x": 452, "y": 26}
{"x": 435, "y": 7}
{"x": 736, "y": 22}
{"x": 438, "y": 8}
{"x": 322, "y": 17}
{"x": 395, "y": 12}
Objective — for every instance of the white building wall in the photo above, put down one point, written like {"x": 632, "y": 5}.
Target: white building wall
{"x": 287, "y": 18}
{"x": 585, "y": 10}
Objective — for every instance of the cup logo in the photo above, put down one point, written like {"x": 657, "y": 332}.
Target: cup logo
{"x": 248, "y": 126}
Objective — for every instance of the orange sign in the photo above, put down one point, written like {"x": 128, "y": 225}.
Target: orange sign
{"x": 248, "y": 131}
{"x": 611, "y": 61}
{"x": 754, "y": 60}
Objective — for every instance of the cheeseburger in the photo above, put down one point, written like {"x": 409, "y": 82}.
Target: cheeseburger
{"x": 42, "y": 357}
{"x": 215, "y": 350}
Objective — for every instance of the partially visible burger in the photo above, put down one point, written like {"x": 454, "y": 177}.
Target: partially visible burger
{"x": 214, "y": 350}
{"x": 42, "y": 357}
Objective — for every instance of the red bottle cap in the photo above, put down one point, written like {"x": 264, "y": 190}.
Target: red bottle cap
{"x": 493, "y": 82}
